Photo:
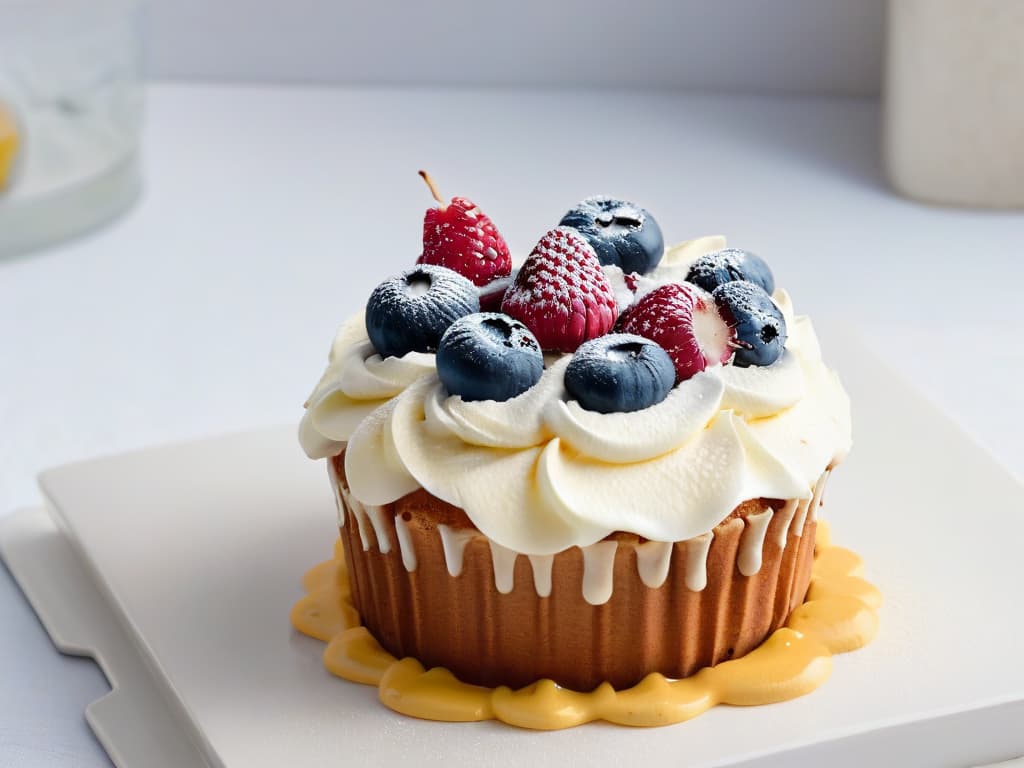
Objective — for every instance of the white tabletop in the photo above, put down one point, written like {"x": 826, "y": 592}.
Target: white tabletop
{"x": 269, "y": 215}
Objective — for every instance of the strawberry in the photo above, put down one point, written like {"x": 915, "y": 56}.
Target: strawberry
{"x": 684, "y": 320}
{"x": 461, "y": 237}
{"x": 561, "y": 292}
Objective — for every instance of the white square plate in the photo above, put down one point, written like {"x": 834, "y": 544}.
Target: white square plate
{"x": 195, "y": 554}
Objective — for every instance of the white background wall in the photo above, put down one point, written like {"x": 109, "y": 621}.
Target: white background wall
{"x": 739, "y": 45}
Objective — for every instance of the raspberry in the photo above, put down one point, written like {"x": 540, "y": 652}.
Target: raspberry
{"x": 685, "y": 322}
{"x": 462, "y": 238}
{"x": 561, "y": 292}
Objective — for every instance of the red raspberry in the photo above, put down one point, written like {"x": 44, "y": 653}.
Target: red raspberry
{"x": 684, "y": 320}
{"x": 461, "y": 237}
{"x": 561, "y": 293}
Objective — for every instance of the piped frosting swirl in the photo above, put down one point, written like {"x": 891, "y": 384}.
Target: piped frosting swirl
{"x": 538, "y": 474}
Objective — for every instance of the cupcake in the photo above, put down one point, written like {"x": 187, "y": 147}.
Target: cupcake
{"x": 613, "y": 471}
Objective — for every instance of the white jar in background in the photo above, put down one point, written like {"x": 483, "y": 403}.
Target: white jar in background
{"x": 954, "y": 101}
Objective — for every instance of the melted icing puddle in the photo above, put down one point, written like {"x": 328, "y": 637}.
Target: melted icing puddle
{"x": 839, "y": 615}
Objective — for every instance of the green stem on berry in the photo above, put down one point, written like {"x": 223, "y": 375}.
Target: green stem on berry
{"x": 433, "y": 189}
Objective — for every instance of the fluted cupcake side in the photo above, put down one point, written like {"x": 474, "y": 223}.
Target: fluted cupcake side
{"x": 427, "y": 584}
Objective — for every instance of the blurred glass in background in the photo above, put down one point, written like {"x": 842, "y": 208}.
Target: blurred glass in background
{"x": 70, "y": 113}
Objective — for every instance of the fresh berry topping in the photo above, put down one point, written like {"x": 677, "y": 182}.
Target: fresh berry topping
{"x": 492, "y": 293}
{"x": 561, "y": 294}
{"x": 758, "y": 323}
{"x": 458, "y": 235}
{"x": 622, "y": 233}
{"x": 684, "y": 321}
{"x": 488, "y": 356}
{"x": 409, "y": 313}
{"x": 619, "y": 373}
{"x": 714, "y": 269}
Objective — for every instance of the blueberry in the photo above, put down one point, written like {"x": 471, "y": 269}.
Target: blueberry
{"x": 488, "y": 356}
{"x": 714, "y": 269}
{"x": 619, "y": 373}
{"x": 623, "y": 234}
{"x": 758, "y": 322}
{"x": 411, "y": 312}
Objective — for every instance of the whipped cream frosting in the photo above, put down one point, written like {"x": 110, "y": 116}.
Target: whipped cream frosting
{"x": 538, "y": 474}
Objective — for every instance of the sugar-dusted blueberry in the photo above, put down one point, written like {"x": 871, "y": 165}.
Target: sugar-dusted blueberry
{"x": 410, "y": 312}
{"x": 489, "y": 356}
{"x": 759, "y": 324}
{"x": 714, "y": 269}
{"x": 622, "y": 233}
{"x": 619, "y": 373}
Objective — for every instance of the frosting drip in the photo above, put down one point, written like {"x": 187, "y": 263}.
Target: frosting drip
{"x": 653, "y": 558}
{"x": 538, "y": 474}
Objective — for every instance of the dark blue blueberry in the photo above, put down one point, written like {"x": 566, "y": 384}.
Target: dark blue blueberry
{"x": 619, "y": 373}
{"x": 622, "y": 233}
{"x": 411, "y": 312}
{"x": 489, "y": 356}
{"x": 714, "y": 269}
{"x": 759, "y": 324}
